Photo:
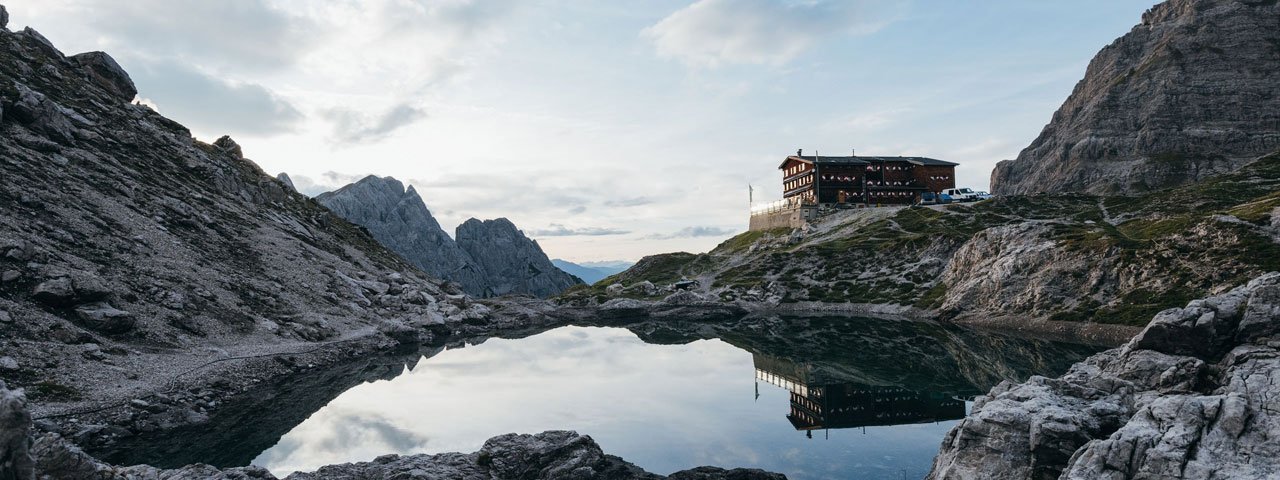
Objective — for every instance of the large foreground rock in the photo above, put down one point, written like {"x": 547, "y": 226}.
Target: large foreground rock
{"x": 1188, "y": 93}
{"x": 1195, "y": 395}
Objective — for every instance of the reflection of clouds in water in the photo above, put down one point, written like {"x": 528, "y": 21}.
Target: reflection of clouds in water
{"x": 362, "y": 429}
{"x": 338, "y": 434}
{"x": 663, "y": 407}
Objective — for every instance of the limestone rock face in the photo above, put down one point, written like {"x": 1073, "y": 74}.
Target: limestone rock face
{"x": 512, "y": 262}
{"x": 490, "y": 258}
{"x": 1192, "y": 396}
{"x": 1188, "y": 93}
{"x": 399, "y": 219}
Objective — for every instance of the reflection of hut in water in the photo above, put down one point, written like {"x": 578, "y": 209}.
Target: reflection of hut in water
{"x": 818, "y": 404}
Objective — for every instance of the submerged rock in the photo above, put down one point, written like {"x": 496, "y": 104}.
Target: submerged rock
{"x": 1192, "y": 396}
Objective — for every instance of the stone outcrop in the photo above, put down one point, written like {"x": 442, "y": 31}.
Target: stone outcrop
{"x": 15, "y": 423}
{"x": 108, "y": 74}
{"x": 1188, "y": 93}
{"x": 399, "y": 219}
{"x": 511, "y": 261}
{"x": 1192, "y": 396}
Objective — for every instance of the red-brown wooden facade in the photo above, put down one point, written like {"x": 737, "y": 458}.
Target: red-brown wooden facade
{"x": 868, "y": 180}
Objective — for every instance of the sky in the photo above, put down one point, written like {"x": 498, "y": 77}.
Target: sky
{"x": 603, "y": 129}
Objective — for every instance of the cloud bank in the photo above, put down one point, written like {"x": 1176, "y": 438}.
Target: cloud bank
{"x": 693, "y": 232}
{"x": 557, "y": 230}
{"x": 711, "y": 33}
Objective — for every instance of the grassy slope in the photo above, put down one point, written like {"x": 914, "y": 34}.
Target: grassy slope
{"x": 1176, "y": 235}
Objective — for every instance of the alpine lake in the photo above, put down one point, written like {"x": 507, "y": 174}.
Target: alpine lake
{"x": 810, "y": 397}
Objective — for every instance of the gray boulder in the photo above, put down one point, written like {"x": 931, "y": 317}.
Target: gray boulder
{"x": 15, "y": 447}
{"x": 106, "y": 73}
{"x": 58, "y": 292}
{"x": 104, "y": 318}
{"x": 229, "y": 146}
{"x": 1192, "y": 396}
{"x": 288, "y": 182}
{"x": 4, "y": 17}
{"x": 70, "y": 291}
{"x": 36, "y": 110}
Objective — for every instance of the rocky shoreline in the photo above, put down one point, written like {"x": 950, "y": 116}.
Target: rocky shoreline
{"x": 1194, "y": 395}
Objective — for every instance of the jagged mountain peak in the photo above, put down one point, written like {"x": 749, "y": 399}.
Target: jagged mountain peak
{"x": 398, "y": 218}
{"x": 488, "y": 257}
{"x": 1187, "y": 94}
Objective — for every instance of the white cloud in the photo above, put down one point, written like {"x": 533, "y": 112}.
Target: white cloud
{"x": 557, "y": 230}
{"x": 213, "y": 105}
{"x": 710, "y": 33}
{"x": 693, "y": 232}
{"x": 353, "y": 127}
{"x": 244, "y": 34}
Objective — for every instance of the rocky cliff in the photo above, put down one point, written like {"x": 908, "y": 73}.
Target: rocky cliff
{"x": 1193, "y": 396}
{"x": 490, "y": 258}
{"x": 139, "y": 266}
{"x": 511, "y": 261}
{"x": 399, "y": 219}
{"x": 1188, "y": 93}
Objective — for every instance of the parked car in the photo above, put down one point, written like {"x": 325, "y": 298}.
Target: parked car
{"x": 930, "y": 198}
{"x": 984, "y": 195}
{"x": 965, "y": 194}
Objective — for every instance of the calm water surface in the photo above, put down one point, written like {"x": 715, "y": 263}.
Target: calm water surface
{"x": 836, "y": 408}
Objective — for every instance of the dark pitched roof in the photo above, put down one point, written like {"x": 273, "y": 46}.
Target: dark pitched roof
{"x": 866, "y": 160}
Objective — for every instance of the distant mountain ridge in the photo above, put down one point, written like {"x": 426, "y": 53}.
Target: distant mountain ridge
{"x": 1189, "y": 93}
{"x": 397, "y": 217}
{"x": 592, "y": 272}
{"x": 489, "y": 258}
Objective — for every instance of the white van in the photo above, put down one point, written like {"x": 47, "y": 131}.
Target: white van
{"x": 961, "y": 194}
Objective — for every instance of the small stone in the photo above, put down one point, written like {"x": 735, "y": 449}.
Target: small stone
{"x": 8, "y": 363}
{"x": 10, "y": 275}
